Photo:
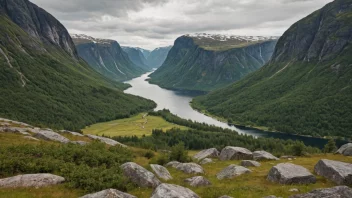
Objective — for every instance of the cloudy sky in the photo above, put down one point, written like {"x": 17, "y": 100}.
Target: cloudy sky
{"x": 154, "y": 23}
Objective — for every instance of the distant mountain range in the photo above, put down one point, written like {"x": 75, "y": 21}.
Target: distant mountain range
{"x": 205, "y": 62}
{"x": 306, "y": 88}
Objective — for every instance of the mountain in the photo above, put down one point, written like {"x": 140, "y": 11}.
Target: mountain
{"x": 158, "y": 56}
{"x": 107, "y": 57}
{"x": 137, "y": 56}
{"x": 145, "y": 52}
{"x": 306, "y": 88}
{"x": 205, "y": 62}
{"x": 44, "y": 82}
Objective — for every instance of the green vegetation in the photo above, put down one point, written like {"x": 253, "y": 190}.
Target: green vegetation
{"x": 138, "y": 125}
{"x": 60, "y": 91}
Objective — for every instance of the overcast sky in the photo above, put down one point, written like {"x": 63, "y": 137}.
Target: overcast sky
{"x": 154, "y": 23}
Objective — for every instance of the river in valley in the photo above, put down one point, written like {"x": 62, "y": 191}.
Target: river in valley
{"x": 178, "y": 102}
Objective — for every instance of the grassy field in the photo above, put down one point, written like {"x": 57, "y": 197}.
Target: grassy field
{"x": 137, "y": 125}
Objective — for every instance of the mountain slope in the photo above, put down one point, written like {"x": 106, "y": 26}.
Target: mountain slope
{"x": 157, "y": 57}
{"x": 205, "y": 62}
{"x": 107, "y": 58}
{"x": 42, "y": 79}
{"x": 306, "y": 88}
{"x": 136, "y": 56}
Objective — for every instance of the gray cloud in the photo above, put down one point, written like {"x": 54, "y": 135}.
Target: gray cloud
{"x": 154, "y": 23}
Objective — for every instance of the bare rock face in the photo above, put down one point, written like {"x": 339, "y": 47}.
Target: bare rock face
{"x": 31, "y": 180}
{"x": 263, "y": 156}
{"x": 250, "y": 163}
{"x": 139, "y": 175}
{"x": 344, "y": 147}
{"x": 287, "y": 173}
{"x": 347, "y": 152}
{"x": 173, "y": 164}
{"x": 72, "y": 133}
{"x": 208, "y": 153}
{"x": 190, "y": 168}
{"x": 338, "y": 172}
{"x": 235, "y": 153}
{"x": 206, "y": 161}
{"x": 51, "y": 136}
{"x": 161, "y": 172}
{"x": 198, "y": 181}
{"x": 225, "y": 196}
{"x": 173, "y": 191}
{"x": 232, "y": 171}
{"x": 109, "y": 193}
{"x": 335, "y": 192}
{"x": 108, "y": 141}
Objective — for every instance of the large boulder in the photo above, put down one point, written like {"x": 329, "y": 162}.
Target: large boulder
{"x": 31, "y": 180}
{"x": 338, "y": 172}
{"x": 208, "y": 153}
{"x": 287, "y": 173}
{"x": 335, "y": 192}
{"x": 108, "y": 141}
{"x": 250, "y": 163}
{"x": 232, "y": 171}
{"x": 206, "y": 161}
{"x": 109, "y": 193}
{"x": 173, "y": 164}
{"x": 198, "y": 181}
{"x": 161, "y": 172}
{"x": 139, "y": 175}
{"x": 347, "y": 152}
{"x": 344, "y": 147}
{"x": 190, "y": 168}
{"x": 51, "y": 136}
{"x": 263, "y": 156}
{"x": 235, "y": 153}
{"x": 173, "y": 191}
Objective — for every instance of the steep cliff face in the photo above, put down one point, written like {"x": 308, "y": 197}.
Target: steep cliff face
{"x": 306, "y": 88}
{"x": 107, "y": 57}
{"x": 196, "y": 64}
{"x": 157, "y": 57}
{"x": 42, "y": 80}
{"x": 38, "y": 23}
{"x": 137, "y": 57}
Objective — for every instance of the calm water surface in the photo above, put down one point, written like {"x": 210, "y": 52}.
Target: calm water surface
{"x": 178, "y": 103}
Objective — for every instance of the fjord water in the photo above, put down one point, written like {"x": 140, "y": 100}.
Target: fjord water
{"x": 178, "y": 102}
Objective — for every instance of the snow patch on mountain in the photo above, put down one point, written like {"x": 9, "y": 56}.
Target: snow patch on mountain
{"x": 228, "y": 37}
{"x": 89, "y": 38}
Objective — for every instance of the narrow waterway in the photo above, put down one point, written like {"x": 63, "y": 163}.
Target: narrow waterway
{"x": 178, "y": 103}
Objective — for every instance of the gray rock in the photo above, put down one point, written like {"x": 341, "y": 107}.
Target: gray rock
{"x": 287, "y": 173}
{"x": 72, "y": 133}
{"x": 287, "y": 156}
{"x": 82, "y": 143}
{"x": 198, "y": 181}
{"x": 161, "y": 172}
{"x": 30, "y": 138}
{"x": 109, "y": 193}
{"x": 272, "y": 196}
{"x": 173, "y": 191}
{"x": 190, "y": 168}
{"x": 293, "y": 190}
{"x": 225, "y": 196}
{"x": 139, "y": 175}
{"x": 338, "y": 172}
{"x": 51, "y": 136}
{"x": 263, "y": 156}
{"x": 206, "y": 161}
{"x": 232, "y": 171}
{"x": 208, "y": 153}
{"x": 108, "y": 141}
{"x": 249, "y": 163}
{"x": 173, "y": 164}
{"x": 31, "y": 180}
{"x": 235, "y": 153}
{"x": 335, "y": 192}
{"x": 347, "y": 152}
{"x": 344, "y": 147}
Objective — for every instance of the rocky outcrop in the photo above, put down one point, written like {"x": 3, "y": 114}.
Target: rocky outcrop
{"x": 190, "y": 168}
{"x": 235, "y": 153}
{"x": 109, "y": 193}
{"x": 108, "y": 141}
{"x": 82, "y": 143}
{"x": 338, "y": 172}
{"x": 263, "y": 156}
{"x": 171, "y": 190}
{"x": 208, "y": 153}
{"x": 31, "y": 180}
{"x": 225, "y": 196}
{"x": 335, "y": 192}
{"x": 139, "y": 175}
{"x": 173, "y": 164}
{"x": 161, "y": 172}
{"x": 206, "y": 161}
{"x": 345, "y": 149}
{"x": 30, "y": 138}
{"x": 198, "y": 181}
{"x": 250, "y": 163}
{"x": 72, "y": 133}
{"x": 232, "y": 171}
{"x": 51, "y": 136}
{"x": 287, "y": 173}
